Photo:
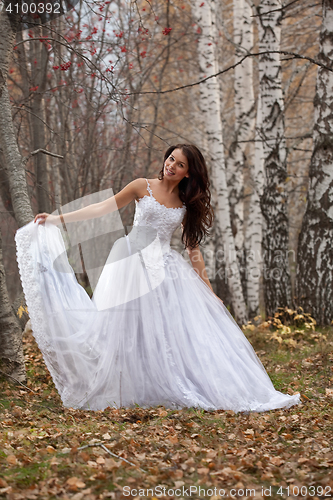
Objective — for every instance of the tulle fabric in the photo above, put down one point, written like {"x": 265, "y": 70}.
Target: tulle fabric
{"x": 172, "y": 343}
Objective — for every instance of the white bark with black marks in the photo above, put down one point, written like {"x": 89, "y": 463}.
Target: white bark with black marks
{"x": 10, "y": 332}
{"x": 12, "y": 158}
{"x": 241, "y": 151}
{"x": 254, "y": 223}
{"x": 314, "y": 276}
{"x": 11, "y": 352}
{"x": 211, "y": 113}
{"x": 277, "y": 282}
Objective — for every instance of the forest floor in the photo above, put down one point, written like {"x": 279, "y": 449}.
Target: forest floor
{"x": 50, "y": 452}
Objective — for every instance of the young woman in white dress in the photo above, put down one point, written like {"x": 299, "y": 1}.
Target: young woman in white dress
{"x": 154, "y": 332}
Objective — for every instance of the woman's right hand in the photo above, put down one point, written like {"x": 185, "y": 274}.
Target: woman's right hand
{"x": 51, "y": 219}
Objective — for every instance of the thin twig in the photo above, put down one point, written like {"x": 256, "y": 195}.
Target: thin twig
{"x": 284, "y": 7}
{"x": 120, "y": 458}
{"x": 110, "y": 453}
{"x": 45, "y": 152}
{"x": 233, "y": 66}
{"x": 17, "y": 381}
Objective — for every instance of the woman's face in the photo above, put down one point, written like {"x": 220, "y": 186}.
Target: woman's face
{"x": 176, "y": 166}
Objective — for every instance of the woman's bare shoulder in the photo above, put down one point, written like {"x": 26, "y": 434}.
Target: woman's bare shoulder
{"x": 140, "y": 185}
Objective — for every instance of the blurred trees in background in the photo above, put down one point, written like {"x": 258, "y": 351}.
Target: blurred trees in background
{"x": 98, "y": 94}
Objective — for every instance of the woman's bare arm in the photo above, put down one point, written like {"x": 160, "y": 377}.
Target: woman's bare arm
{"x": 124, "y": 197}
{"x": 198, "y": 264}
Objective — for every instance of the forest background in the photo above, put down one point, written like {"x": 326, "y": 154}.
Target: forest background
{"x": 91, "y": 100}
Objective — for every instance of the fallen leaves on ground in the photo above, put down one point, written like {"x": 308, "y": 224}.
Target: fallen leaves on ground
{"x": 156, "y": 448}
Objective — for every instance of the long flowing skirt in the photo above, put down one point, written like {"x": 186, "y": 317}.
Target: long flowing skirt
{"x": 170, "y": 342}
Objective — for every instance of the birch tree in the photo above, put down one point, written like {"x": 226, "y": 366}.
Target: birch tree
{"x": 275, "y": 242}
{"x": 11, "y": 353}
{"x": 253, "y": 234}
{"x": 241, "y": 151}
{"x": 12, "y": 158}
{"x": 314, "y": 276}
{"x": 211, "y": 112}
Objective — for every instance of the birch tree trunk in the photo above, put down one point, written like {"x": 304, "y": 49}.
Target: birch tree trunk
{"x": 11, "y": 352}
{"x": 254, "y": 223}
{"x": 240, "y": 151}
{"x": 211, "y": 113}
{"x": 314, "y": 275}
{"x": 10, "y": 333}
{"x": 277, "y": 283}
{"x": 12, "y": 157}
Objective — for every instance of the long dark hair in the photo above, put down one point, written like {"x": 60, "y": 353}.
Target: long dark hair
{"x": 194, "y": 192}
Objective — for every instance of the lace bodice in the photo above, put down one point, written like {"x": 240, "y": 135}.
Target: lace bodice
{"x": 152, "y": 214}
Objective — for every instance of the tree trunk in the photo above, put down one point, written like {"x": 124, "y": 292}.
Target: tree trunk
{"x": 254, "y": 223}
{"x": 240, "y": 151}
{"x": 314, "y": 275}
{"x": 38, "y": 72}
{"x": 211, "y": 113}
{"x": 277, "y": 283}
{"x": 10, "y": 331}
{"x": 11, "y": 352}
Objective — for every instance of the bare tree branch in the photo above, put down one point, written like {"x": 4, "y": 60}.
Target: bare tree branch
{"x": 233, "y": 66}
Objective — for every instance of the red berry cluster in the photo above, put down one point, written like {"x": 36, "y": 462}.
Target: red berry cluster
{"x": 166, "y": 31}
{"x": 64, "y": 66}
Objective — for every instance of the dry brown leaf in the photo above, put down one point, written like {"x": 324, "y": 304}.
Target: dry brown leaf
{"x": 11, "y": 459}
{"x": 111, "y": 464}
{"x": 211, "y": 454}
{"x": 101, "y": 475}
{"x": 276, "y": 461}
{"x": 173, "y": 439}
{"x": 85, "y": 456}
{"x": 177, "y": 474}
{"x": 74, "y": 483}
{"x": 92, "y": 463}
{"x": 203, "y": 470}
{"x": 266, "y": 476}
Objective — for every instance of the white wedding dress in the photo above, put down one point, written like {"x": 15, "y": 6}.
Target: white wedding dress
{"x": 153, "y": 333}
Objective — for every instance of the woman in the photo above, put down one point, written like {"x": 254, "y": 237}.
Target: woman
{"x": 154, "y": 332}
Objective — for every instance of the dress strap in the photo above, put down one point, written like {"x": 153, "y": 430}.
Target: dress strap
{"x": 149, "y": 189}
